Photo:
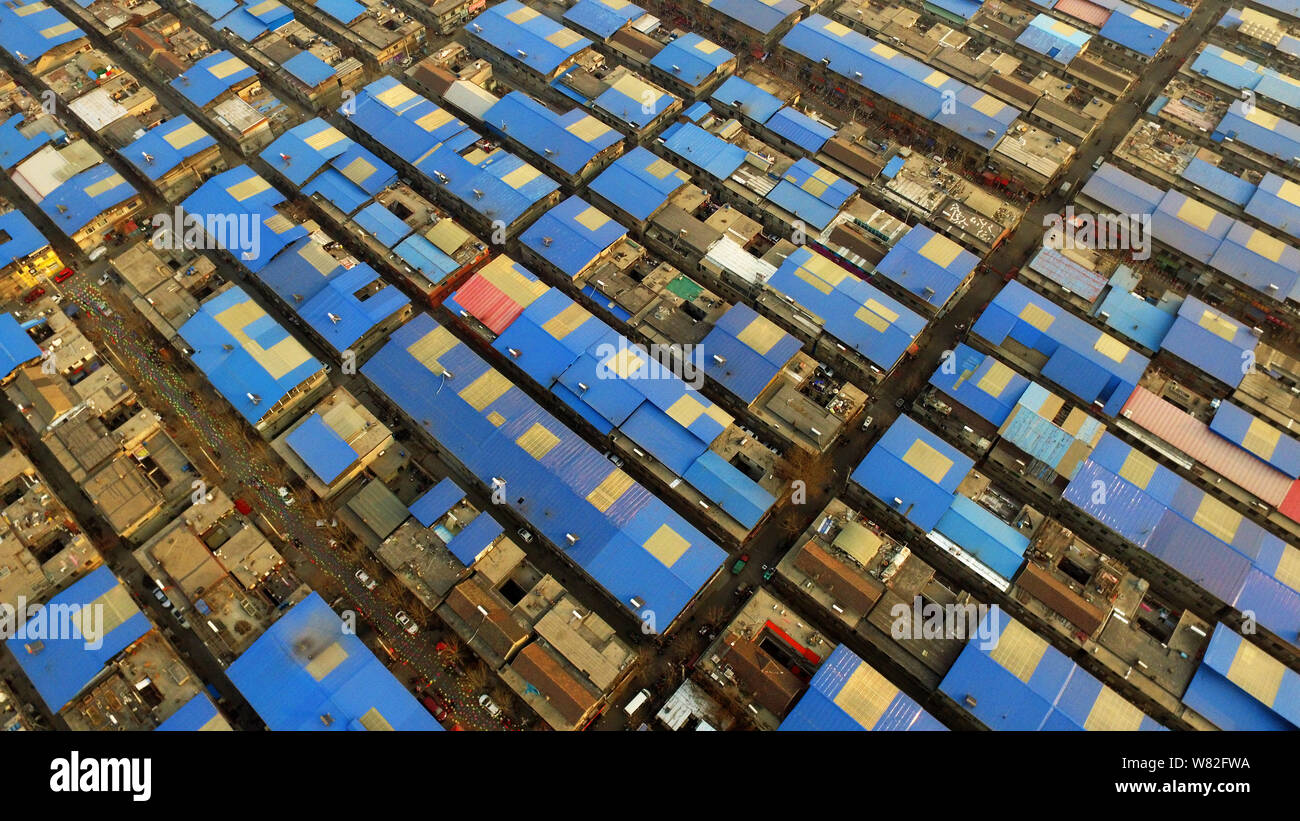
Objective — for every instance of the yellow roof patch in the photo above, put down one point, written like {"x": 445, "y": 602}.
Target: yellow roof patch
{"x": 185, "y": 135}
{"x": 395, "y": 96}
{"x": 814, "y": 186}
{"x": 324, "y": 662}
{"x": 940, "y": 250}
{"x": 1288, "y": 568}
{"x": 521, "y": 176}
{"x": 1196, "y": 213}
{"x": 374, "y": 721}
{"x": 936, "y": 79}
{"x": 837, "y": 29}
{"x": 1147, "y": 18}
{"x": 1138, "y": 468}
{"x": 1233, "y": 57}
{"x": 250, "y": 187}
{"x": 563, "y": 38}
{"x": 1261, "y": 438}
{"x": 23, "y": 11}
{"x": 1260, "y": 117}
{"x": 227, "y": 67}
{"x": 882, "y": 50}
{"x": 611, "y": 488}
{"x": 485, "y": 390}
{"x": 813, "y": 280}
{"x": 760, "y": 335}
{"x": 706, "y": 47}
{"x": 1217, "y": 325}
{"x": 1018, "y": 651}
{"x": 325, "y": 138}
{"x": 1290, "y": 192}
{"x": 55, "y": 31}
{"x": 996, "y": 380}
{"x": 591, "y": 219}
{"x": 1064, "y": 28}
{"x": 659, "y": 169}
{"x": 264, "y": 7}
{"x": 521, "y": 15}
{"x": 666, "y": 545}
{"x": 359, "y": 170}
{"x": 624, "y": 363}
{"x": 1217, "y": 518}
{"x": 1110, "y": 347}
{"x": 564, "y": 323}
{"x": 1037, "y": 317}
{"x": 1256, "y": 672}
{"x": 430, "y": 348}
{"x": 1111, "y": 711}
{"x": 866, "y": 696}
{"x": 434, "y": 119}
{"x": 927, "y": 461}
{"x": 103, "y": 186}
{"x": 989, "y": 106}
{"x": 1269, "y": 248}
{"x": 537, "y": 441}
{"x": 588, "y": 128}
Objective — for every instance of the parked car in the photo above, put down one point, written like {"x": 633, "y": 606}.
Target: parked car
{"x": 1096, "y": 164}
{"x": 525, "y": 535}
{"x": 768, "y": 572}
{"x": 162, "y": 599}
{"x": 408, "y": 624}
{"x": 366, "y": 581}
{"x": 64, "y": 275}
{"x": 740, "y": 564}
{"x": 615, "y": 458}
{"x": 866, "y": 423}
{"x": 181, "y": 620}
{"x": 485, "y": 701}
{"x": 438, "y": 709}
{"x": 34, "y": 294}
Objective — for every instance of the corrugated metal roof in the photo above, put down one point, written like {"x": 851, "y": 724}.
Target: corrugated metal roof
{"x": 79, "y": 200}
{"x": 549, "y": 336}
{"x": 167, "y": 145}
{"x": 240, "y": 195}
{"x": 969, "y": 113}
{"x": 60, "y": 667}
{"x": 570, "y": 140}
{"x": 691, "y": 59}
{"x": 30, "y": 30}
{"x": 1121, "y": 191}
{"x": 211, "y": 77}
{"x": 717, "y": 157}
{"x": 983, "y": 384}
{"x": 847, "y": 694}
{"x": 628, "y": 541}
{"x": 474, "y": 538}
{"x": 800, "y": 129}
{"x": 1265, "y": 441}
{"x": 753, "y": 350}
{"x": 1276, "y": 202}
{"x": 406, "y": 123}
{"x": 1212, "y": 341}
{"x": 753, "y": 102}
{"x": 1239, "y": 687}
{"x": 436, "y": 501}
{"x": 1137, "y": 30}
{"x": 601, "y": 18}
{"x": 302, "y": 150}
{"x": 1213, "y": 178}
{"x": 1032, "y": 428}
{"x": 199, "y": 713}
{"x": 928, "y": 264}
{"x": 1057, "y": 267}
{"x": 325, "y": 453}
{"x": 1260, "y": 130}
{"x": 994, "y": 543}
{"x": 760, "y": 15}
{"x": 526, "y": 36}
{"x": 307, "y": 666}
{"x": 855, "y": 313}
{"x": 572, "y": 235}
{"x": 308, "y": 68}
{"x": 1052, "y": 38}
{"x": 812, "y": 193}
{"x": 1092, "y": 365}
{"x": 242, "y": 24}
{"x": 1134, "y": 317}
{"x": 639, "y": 183}
{"x": 914, "y": 466}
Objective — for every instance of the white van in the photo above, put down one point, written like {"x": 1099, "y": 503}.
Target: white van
{"x": 636, "y": 702}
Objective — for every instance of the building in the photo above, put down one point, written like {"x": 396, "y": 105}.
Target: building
{"x": 913, "y": 472}
{"x": 92, "y": 204}
{"x": 333, "y": 444}
{"x": 176, "y": 156}
{"x": 847, "y": 694}
{"x": 524, "y": 39}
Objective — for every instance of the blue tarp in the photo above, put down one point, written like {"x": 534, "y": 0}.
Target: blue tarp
{"x": 436, "y": 501}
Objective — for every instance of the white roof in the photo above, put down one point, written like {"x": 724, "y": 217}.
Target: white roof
{"x": 471, "y": 98}
{"x": 97, "y": 110}
{"x": 727, "y": 254}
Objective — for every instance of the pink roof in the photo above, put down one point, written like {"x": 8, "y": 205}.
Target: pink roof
{"x": 1085, "y": 11}
{"x": 488, "y": 304}
{"x": 1195, "y": 438}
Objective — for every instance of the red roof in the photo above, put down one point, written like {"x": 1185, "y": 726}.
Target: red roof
{"x": 487, "y": 303}
{"x": 1084, "y": 10}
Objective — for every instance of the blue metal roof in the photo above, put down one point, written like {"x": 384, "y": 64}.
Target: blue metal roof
{"x": 363, "y": 169}
{"x": 1249, "y": 698}
{"x": 885, "y": 72}
{"x": 307, "y": 666}
{"x": 1119, "y": 190}
{"x": 1126, "y": 29}
{"x": 845, "y": 682}
{"x": 340, "y": 317}
{"x": 1265, "y": 441}
{"x": 16, "y": 347}
{"x": 200, "y": 85}
{"x": 499, "y": 186}
{"x": 572, "y": 235}
{"x": 382, "y": 224}
{"x": 812, "y": 193}
{"x": 1288, "y": 7}
{"x": 1212, "y": 178}
{"x": 302, "y": 150}
{"x": 273, "y": 14}
{"x": 474, "y": 538}
{"x": 1211, "y": 340}
{"x": 800, "y": 129}
{"x": 1092, "y": 365}
{"x": 321, "y": 448}
{"x": 915, "y": 466}
{"x": 246, "y": 368}
{"x": 630, "y": 542}
{"x": 964, "y": 9}
{"x": 242, "y": 24}
{"x": 1189, "y": 225}
{"x": 512, "y": 28}
{"x": 1262, "y": 131}
{"x": 1034, "y": 430}
{"x": 20, "y": 238}
{"x": 550, "y": 334}
{"x": 1170, "y": 6}
{"x": 549, "y": 133}
{"x": 752, "y": 358}
{"x": 28, "y": 35}
{"x": 436, "y": 501}
{"x": 717, "y": 157}
{"x": 344, "y": 11}
{"x": 1051, "y": 694}
{"x": 635, "y": 112}
{"x": 994, "y": 543}
{"x": 928, "y": 264}
{"x": 168, "y": 144}
{"x": 1259, "y": 261}
{"x": 14, "y": 146}
{"x": 61, "y": 666}
{"x": 308, "y": 68}
{"x": 402, "y": 121}
{"x": 337, "y": 190}
{"x": 216, "y": 9}
{"x": 240, "y": 195}
{"x": 724, "y": 485}
{"x": 1135, "y": 318}
{"x": 1272, "y": 204}
{"x": 427, "y": 258}
{"x": 292, "y": 274}
{"x": 752, "y": 101}
{"x": 193, "y": 715}
{"x": 602, "y": 19}
{"x": 1052, "y": 38}
{"x": 758, "y": 15}
{"x": 72, "y": 205}
{"x": 982, "y": 383}
{"x": 857, "y": 314}
{"x": 639, "y": 182}
{"x": 691, "y": 59}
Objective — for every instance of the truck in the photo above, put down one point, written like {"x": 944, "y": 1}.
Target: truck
{"x": 637, "y": 701}
{"x": 740, "y": 564}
